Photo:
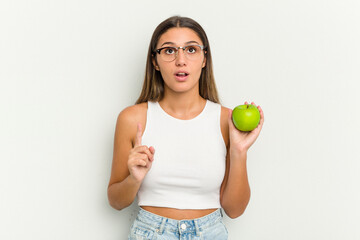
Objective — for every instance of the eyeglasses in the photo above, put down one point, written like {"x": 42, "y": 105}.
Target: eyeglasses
{"x": 169, "y": 54}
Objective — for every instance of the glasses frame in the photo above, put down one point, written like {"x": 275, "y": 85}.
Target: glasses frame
{"x": 177, "y": 50}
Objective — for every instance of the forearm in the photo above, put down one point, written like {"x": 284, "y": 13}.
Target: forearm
{"x": 122, "y": 194}
{"x": 236, "y": 194}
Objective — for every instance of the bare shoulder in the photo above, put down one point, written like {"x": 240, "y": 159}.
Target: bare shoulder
{"x": 133, "y": 112}
{"x": 224, "y": 124}
{"x": 129, "y": 117}
{"x": 224, "y": 116}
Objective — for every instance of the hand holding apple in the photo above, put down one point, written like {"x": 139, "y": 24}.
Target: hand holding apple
{"x": 241, "y": 141}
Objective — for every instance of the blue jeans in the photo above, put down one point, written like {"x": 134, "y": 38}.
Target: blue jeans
{"x": 149, "y": 226}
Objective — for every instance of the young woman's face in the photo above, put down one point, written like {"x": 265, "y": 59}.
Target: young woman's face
{"x": 181, "y": 74}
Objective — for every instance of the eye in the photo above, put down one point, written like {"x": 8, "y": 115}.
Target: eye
{"x": 169, "y": 50}
{"x": 191, "y": 49}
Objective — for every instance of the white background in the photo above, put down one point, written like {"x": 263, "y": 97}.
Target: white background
{"x": 67, "y": 68}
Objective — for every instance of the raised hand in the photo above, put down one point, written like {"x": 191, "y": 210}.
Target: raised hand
{"x": 140, "y": 158}
{"x": 242, "y": 141}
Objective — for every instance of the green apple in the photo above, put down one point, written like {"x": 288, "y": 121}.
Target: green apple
{"x": 246, "y": 117}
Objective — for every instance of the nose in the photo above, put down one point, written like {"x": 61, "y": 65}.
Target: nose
{"x": 180, "y": 58}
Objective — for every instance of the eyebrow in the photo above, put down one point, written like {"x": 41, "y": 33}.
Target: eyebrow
{"x": 171, "y": 43}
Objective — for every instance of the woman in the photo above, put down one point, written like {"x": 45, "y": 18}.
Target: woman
{"x": 177, "y": 149}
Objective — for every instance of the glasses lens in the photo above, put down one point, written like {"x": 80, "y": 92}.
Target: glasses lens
{"x": 168, "y": 54}
{"x": 193, "y": 52}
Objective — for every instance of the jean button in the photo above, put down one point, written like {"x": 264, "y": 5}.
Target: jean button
{"x": 183, "y": 226}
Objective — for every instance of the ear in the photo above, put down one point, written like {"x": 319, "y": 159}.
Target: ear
{"x": 155, "y": 63}
{"x": 204, "y": 62}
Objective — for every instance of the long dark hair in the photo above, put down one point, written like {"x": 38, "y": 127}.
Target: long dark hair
{"x": 153, "y": 87}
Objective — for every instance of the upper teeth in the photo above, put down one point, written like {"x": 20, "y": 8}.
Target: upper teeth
{"x": 181, "y": 74}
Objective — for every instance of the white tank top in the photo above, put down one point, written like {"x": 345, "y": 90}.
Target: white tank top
{"x": 189, "y": 161}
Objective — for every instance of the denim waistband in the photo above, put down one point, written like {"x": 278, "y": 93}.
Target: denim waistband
{"x": 160, "y": 224}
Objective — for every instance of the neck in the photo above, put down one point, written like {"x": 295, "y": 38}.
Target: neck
{"x": 182, "y": 105}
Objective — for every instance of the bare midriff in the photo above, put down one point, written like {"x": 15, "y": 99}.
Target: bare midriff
{"x": 178, "y": 214}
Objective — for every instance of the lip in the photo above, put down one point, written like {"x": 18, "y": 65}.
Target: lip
{"x": 181, "y": 78}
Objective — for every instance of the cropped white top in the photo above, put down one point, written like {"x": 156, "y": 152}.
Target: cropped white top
{"x": 189, "y": 161}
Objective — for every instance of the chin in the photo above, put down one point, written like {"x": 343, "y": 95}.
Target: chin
{"x": 183, "y": 88}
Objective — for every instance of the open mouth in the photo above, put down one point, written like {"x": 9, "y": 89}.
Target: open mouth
{"x": 181, "y": 74}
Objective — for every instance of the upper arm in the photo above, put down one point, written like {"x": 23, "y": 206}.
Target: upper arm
{"x": 125, "y": 132}
{"x": 225, "y": 134}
